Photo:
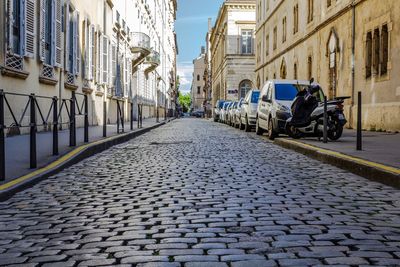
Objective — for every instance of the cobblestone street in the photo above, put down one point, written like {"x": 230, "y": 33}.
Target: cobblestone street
{"x": 195, "y": 193}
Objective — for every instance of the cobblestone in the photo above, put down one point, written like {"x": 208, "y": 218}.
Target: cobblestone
{"x": 195, "y": 193}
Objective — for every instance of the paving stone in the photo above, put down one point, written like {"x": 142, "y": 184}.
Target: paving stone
{"x": 97, "y": 262}
{"x": 254, "y": 263}
{"x": 144, "y": 259}
{"x": 196, "y": 258}
{"x": 205, "y": 264}
{"x": 299, "y": 262}
{"x": 347, "y": 260}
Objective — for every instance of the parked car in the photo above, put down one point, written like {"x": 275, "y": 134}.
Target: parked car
{"x": 198, "y": 114}
{"x": 228, "y": 108}
{"x": 217, "y": 109}
{"x": 248, "y": 110}
{"x": 236, "y": 116}
{"x": 231, "y": 113}
{"x": 274, "y": 106}
{"x": 222, "y": 115}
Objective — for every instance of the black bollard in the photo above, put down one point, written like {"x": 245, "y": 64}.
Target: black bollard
{"x": 55, "y": 126}
{"x": 325, "y": 121}
{"x": 2, "y": 140}
{"x": 104, "y": 119}
{"x": 359, "y": 124}
{"x": 32, "y": 132}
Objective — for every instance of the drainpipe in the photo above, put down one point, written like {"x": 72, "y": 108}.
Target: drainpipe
{"x": 353, "y": 40}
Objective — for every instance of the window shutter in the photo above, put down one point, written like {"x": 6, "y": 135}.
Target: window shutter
{"x": 67, "y": 34}
{"x": 57, "y": 26}
{"x": 29, "y": 28}
{"x": 85, "y": 49}
{"x": 105, "y": 59}
{"x": 77, "y": 54}
{"x": 9, "y": 24}
{"x": 100, "y": 57}
{"x": 113, "y": 64}
{"x": 42, "y": 34}
{"x": 92, "y": 53}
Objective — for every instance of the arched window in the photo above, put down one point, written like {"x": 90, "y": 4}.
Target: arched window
{"x": 283, "y": 69}
{"x": 198, "y": 77}
{"x": 244, "y": 87}
{"x": 258, "y": 81}
{"x": 295, "y": 71}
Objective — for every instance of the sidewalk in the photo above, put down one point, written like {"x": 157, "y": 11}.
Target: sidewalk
{"x": 379, "y": 160}
{"x": 17, "y": 147}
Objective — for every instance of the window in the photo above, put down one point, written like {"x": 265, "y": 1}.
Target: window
{"x": 309, "y": 64}
{"x": 198, "y": 77}
{"x": 376, "y": 42}
{"x": 267, "y": 45}
{"x": 296, "y": 19}
{"x": 284, "y": 30}
{"x": 385, "y": 49}
{"x": 247, "y": 41}
{"x": 20, "y": 31}
{"x": 48, "y": 31}
{"x": 328, "y": 3}
{"x": 105, "y": 59}
{"x": 310, "y": 11}
{"x": 72, "y": 41}
{"x": 368, "y": 60}
{"x": 198, "y": 89}
{"x": 245, "y": 87}
{"x": 275, "y": 37}
{"x": 295, "y": 71}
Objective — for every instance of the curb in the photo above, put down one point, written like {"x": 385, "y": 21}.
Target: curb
{"x": 78, "y": 154}
{"x": 373, "y": 171}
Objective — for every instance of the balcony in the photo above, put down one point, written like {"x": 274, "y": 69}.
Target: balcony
{"x": 140, "y": 44}
{"x": 153, "y": 60}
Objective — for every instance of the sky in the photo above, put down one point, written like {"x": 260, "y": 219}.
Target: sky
{"x": 191, "y": 28}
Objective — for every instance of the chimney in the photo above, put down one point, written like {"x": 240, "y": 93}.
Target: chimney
{"x": 209, "y": 24}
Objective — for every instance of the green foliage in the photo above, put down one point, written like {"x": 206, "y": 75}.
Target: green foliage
{"x": 185, "y": 101}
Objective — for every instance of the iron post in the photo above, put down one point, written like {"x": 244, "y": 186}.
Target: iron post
{"x": 2, "y": 139}
{"x": 359, "y": 123}
{"x": 86, "y": 134}
{"x": 325, "y": 120}
{"x": 55, "y": 126}
{"x": 32, "y": 132}
{"x": 72, "y": 126}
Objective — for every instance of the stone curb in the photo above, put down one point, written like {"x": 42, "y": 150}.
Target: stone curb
{"x": 349, "y": 163}
{"x": 87, "y": 151}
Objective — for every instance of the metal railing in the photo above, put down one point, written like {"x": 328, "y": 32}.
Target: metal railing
{"x": 153, "y": 58}
{"x": 40, "y": 116}
{"x": 140, "y": 40}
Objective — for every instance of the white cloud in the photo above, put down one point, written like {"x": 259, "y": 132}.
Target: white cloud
{"x": 185, "y": 72}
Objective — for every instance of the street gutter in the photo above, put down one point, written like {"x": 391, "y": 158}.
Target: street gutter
{"x": 371, "y": 170}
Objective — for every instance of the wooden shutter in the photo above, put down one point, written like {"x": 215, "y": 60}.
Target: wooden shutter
{"x": 92, "y": 48}
{"x": 29, "y": 39}
{"x": 77, "y": 54}
{"x": 10, "y": 9}
{"x": 67, "y": 15}
{"x": 100, "y": 58}
{"x": 42, "y": 34}
{"x": 85, "y": 49}
{"x": 57, "y": 26}
{"x": 105, "y": 59}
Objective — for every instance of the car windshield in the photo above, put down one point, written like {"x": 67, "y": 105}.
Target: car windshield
{"x": 221, "y": 104}
{"x": 255, "y": 96}
{"x": 287, "y": 92}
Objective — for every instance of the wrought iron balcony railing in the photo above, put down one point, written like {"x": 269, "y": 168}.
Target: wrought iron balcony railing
{"x": 153, "y": 58}
{"x": 140, "y": 42}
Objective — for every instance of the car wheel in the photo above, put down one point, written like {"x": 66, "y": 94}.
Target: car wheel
{"x": 259, "y": 131}
{"x": 271, "y": 131}
{"x": 246, "y": 125}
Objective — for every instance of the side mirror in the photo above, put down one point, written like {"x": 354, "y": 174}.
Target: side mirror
{"x": 312, "y": 80}
{"x": 264, "y": 98}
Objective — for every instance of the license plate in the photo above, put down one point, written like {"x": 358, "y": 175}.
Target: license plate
{"x": 341, "y": 117}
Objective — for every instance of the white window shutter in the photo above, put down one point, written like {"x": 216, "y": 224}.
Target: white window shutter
{"x": 113, "y": 64}
{"x": 67, "y": 15}
{"x": 29, "y": 28}
{"x": 100, "y": 57}
{"x": 42, "y": 31}
{"x": 105, "y": 59}
{"x": 92, "y": 54}
{"x": 57, "y": 26}
{"x": 85, "y": 49}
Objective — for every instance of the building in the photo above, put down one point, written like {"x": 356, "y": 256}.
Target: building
{"x": 232, "y": 50}
{"x": 347, "y": 46}
{"x": 197, "y": 90}
{"x": 114, "y": 52}
{"x": 207, "y": 72}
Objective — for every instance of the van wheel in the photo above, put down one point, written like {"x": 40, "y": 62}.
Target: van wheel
{"x": 259, "y": 131}
{"x": 271, "y": 131}
{"x": 241, "y": 125}
{"x": 246, "y": 125}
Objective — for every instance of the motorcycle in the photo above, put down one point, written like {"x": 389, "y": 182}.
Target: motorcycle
{"x": 308, "y": 115}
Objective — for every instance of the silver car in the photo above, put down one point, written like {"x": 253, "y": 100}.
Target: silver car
{"x": 236, "y": 114}
{"x": 231, "y": 114}
{"x": 248, "y": 111}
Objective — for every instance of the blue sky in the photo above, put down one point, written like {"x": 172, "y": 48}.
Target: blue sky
{"x": 191, "y": 28}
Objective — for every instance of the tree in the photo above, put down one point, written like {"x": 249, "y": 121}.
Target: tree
{"x": 185, "y": 101}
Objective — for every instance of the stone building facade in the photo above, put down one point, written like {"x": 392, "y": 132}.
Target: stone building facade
{"x": 198, "y": 82}
{"x": 347, "y": 46}
{"x": 232, "y": 50}
{"x": 108, "y": 50}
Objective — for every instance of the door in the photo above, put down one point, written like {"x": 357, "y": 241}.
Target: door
{"x": 262, "y": 108}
